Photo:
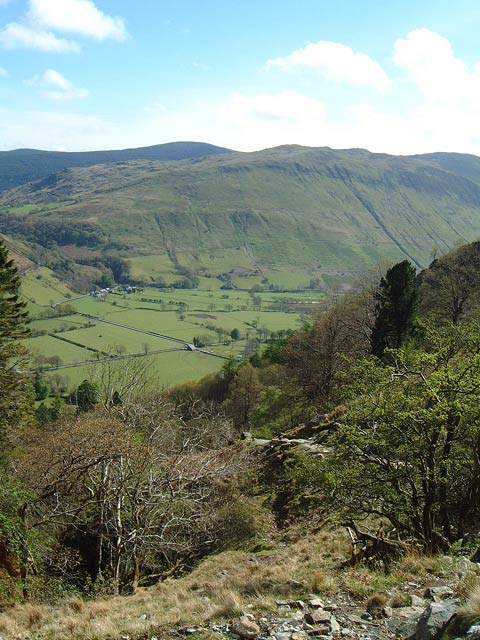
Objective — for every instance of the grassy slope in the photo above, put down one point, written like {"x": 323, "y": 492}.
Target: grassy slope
{"x": 225, "y": 585}
{"x": 288, "y": 213}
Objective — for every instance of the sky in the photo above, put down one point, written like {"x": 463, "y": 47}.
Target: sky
{"x": 388, "y": 76}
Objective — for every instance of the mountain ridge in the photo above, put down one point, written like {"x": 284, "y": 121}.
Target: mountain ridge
{"x": 20, "y": 166}
{"x": 287, "y": 216}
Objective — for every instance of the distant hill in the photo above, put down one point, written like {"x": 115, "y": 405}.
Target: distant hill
{"x": 290, "y": 216}
{"x": 26, "y": 165}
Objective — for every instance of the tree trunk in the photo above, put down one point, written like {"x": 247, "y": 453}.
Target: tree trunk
{"x": 24, "y": 553}
{"x": 117, "y": 556}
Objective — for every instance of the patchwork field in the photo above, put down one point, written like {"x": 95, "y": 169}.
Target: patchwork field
{"x": 152, "y": 324}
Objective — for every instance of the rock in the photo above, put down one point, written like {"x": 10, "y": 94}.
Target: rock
{"x": 334, "y": 626}
{"x": 473, "y": 633}
{"x": 296, "y": 604}
{"x": 408, "y": 613}
{"x": 435, "y": 618}
{"x": 416, "y": 601}
{"x": 282, "y": 635}
{"x": 246, "y": 628}
{"x": 405, "y": 630}
{"x": 387, "y": 612}
{"x": 316, "y": 603}
{"x": 320, "y": 631}
{"x": 319, "y": 616}
{"x": 299, "y": 635}
{"x": 439, "y": 593}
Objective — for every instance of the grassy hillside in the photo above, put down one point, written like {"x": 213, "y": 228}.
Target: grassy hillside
{"x": 462, "y": 164}
{"x": 283, "y": 216}
{"x": 25, "y": 165}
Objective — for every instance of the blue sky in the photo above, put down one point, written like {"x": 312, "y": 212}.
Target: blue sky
{"x": 391, "y": 76}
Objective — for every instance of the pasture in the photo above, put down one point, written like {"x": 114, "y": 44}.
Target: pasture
{"x": 146, "y": 324}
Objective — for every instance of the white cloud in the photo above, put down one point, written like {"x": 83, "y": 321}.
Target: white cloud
{"x": 3, "y": 72}
{"x": 46, "y": 17}
{"x": 429, "y": 60}
{"x": 419, "y": 114}
{"x": 56, "y": 87}
{"x": 334, "y": 61}
{"x": 16, "y": 36}
{"x": 76, "y": 16}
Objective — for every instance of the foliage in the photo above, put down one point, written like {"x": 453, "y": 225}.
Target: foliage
{"x": 244, "y": 397}
{"x": 317, "y": 354}
{"x": 41, "y": 389}
{"x": 16, "y": 392}
{"x": 450, "y": 287}
{"x": 407, "y": 449}
{"x": 86, "y": 396}
{"x": 396, "y": 308}
{"x": 46, "y": 414}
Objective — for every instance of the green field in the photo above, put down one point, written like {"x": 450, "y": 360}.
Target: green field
{"x": 85, "y": 335}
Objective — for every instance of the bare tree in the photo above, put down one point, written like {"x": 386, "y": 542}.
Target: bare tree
{"x": 450, "y": 287}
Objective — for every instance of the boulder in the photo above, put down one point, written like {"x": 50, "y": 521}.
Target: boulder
{"x": 316, "y": 603}
{"x": 318, "y": 617}
{"x": 416, "y": 601}
{"x": 435, "y": 618}
{"x": 439, "y": 593}
{"x": 246, "y": 628}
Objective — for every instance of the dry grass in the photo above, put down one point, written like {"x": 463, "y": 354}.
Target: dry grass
{"x": 375, "y": 604}
{"x": 470, "y": 612}
{"x": 221, "y": 587}
{"x": 323, "y": 583}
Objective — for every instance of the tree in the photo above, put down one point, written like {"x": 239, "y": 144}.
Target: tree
{"x": 235, "y": 334}
{"x": 42, "y": 389}
{"x": 320, "y": 352}
{"x": 408, "y": 447}
{"x": 396, "y": 307}
{"x": 450, "y": 287}
{"x": 86, "y": 395}
{"x": 16, "y": 392}
{"x": 244, "y": 396}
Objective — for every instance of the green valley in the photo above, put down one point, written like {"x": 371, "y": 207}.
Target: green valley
{"x": 156, "y": 325}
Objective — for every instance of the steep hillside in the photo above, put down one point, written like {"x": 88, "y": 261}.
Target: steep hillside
{"x": 290, "y": 215}
{"x": 462, "y": 164}
{"x": 25, "y": 165}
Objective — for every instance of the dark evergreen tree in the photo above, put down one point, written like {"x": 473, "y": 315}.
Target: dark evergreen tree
{"x": 16, "y": 405}
{"x": 395, "y": 308}
{"x": 86, "y": 396}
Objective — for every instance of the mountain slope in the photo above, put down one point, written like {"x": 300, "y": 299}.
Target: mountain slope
{"x": 461, "y": 164}
{"x": 25, "y": 165}
{"x": 286, "y": 215}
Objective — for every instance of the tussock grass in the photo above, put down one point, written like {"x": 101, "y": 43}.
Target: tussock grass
{"x": 469, "y": 614}
{"x": 223, "y": 587}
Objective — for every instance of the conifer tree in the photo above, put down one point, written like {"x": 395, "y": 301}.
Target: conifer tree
{"x": 395, "y": 309}
{"x": 15, "y": 388}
